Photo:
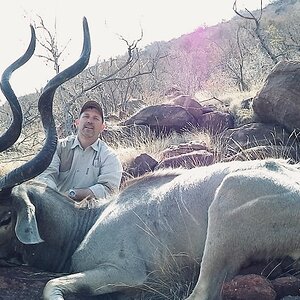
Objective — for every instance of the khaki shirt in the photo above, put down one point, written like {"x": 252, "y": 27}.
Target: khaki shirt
{"x": 97, "y": 168}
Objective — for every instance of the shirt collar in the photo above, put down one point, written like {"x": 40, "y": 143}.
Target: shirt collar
{"x": 76, "y": 143}
{"x": 95, "y": 145}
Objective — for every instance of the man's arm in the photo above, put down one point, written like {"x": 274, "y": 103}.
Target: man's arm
{"x": 109, "y": 180}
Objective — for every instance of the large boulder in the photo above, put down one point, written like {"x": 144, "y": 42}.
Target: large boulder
{"x": 253, "y": 135}
{"x": 279, "y": 99}
{"x": 163, "y": 118}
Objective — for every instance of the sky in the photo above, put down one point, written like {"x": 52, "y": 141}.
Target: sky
{"x": 160, "y": 20}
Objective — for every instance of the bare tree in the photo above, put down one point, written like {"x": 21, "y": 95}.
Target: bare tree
{"x": 112, "y": 82}
{"x": 258, "y": 30}
{"x": 235, "y": 61}
{"x": 285, "y": 32}
{"x": 48, "y": 41}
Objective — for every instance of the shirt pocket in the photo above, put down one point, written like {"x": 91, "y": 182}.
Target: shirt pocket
{"x": 94, "y": 171}
{"x": 96, "y": 162}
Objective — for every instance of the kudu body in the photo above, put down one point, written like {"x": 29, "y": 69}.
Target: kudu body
{"x": 254, "y": 216}
{"x": 158, "y": 223}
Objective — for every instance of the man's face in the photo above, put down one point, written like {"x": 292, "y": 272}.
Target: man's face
{"x": 90, "y": 123}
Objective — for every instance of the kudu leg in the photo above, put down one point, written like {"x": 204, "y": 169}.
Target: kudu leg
{"x": 103, "y": 280}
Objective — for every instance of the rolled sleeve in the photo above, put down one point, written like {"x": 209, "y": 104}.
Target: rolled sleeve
{"x": 109, "y": 180}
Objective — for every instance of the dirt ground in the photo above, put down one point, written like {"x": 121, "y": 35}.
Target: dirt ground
{"x": 28, "y": 283}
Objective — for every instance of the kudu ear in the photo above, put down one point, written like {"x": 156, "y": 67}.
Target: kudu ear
{"x": 26, "y": 228}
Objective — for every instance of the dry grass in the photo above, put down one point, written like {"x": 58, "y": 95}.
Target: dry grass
{"x": 153, "y": 145}
{"x": 10, "y": 162}
{"x": 232, "y": 101}
{"x": 176, "y": 284}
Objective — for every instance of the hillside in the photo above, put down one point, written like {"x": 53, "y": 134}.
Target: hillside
{"x": 226, "y": 61}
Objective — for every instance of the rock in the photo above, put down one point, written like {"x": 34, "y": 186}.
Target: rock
{"x": 163, "y": 118}
{"x": 208, "y": 109}
{"x": 183, "y": 148}
{"x": 190, "y": 104}
{"x": 251, "y": 135}
{"x": 286, "y": 286}
{"x": 261, "y": 152}
{"x": 249, "y": 287}
{"x": 141, "y": 164}
{"x": 187, "y": 160}
{"x": 278, "y": 100}
{"x": 216, "y": 122}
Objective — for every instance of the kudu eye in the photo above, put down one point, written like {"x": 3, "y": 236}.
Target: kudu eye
{"x": 5, "y": 219}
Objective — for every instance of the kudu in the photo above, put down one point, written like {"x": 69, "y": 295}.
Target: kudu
{"x": 158, "y": 223}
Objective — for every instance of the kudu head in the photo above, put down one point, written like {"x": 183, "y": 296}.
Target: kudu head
{"x": 18, "y": 213}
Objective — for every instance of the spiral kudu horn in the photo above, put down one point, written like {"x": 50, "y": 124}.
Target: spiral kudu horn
{"x": 13, "y": 132}
{"x": 42, "y": 160}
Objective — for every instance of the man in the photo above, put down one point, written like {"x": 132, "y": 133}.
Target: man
{"x": 83, "y": 165}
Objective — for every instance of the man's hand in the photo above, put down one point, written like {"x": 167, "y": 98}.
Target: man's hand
{"x": 80, "y": 194}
